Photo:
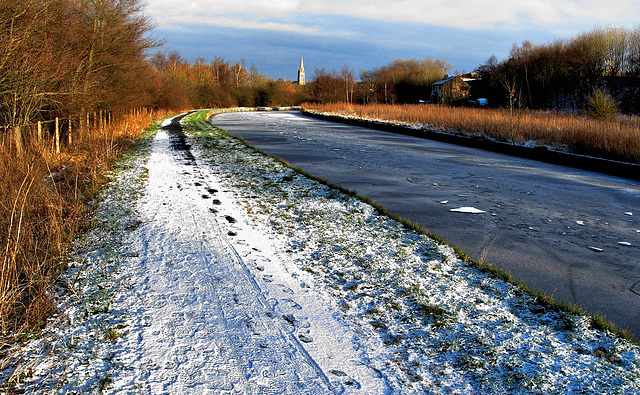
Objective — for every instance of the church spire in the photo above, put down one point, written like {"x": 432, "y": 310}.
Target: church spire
{"x": 301, "y": 72}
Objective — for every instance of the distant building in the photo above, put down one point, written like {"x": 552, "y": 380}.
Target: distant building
{"x": 301, "y": 73}
{"x": 450, "y": 90}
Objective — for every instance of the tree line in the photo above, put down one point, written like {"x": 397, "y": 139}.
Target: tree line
{"x": 567, "y": 75}
{"x": 218, "y": 83}
{"x": 67, "y": 58}
{"x": 399, "y": 82}
{"x": 564, "y": 74}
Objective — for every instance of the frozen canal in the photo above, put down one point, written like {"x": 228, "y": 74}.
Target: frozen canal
{"x": 570, "y": 233}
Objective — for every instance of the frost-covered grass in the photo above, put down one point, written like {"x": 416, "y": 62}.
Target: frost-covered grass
{"x": 446, "y": 325}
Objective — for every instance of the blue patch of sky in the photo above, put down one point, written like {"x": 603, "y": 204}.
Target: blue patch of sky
{"x": 360, "y": 44}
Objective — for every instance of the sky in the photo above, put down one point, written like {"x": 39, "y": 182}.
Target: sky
{"x": 273, "y": 35}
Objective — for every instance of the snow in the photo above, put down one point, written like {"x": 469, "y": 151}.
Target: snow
{"x": 166, "y": 122}
{"x": 467, "y": 210}
{"x": 215, "y": 269}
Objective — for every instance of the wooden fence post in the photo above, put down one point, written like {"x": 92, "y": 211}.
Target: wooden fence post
{"x": 39, "y": 132}
{"x": 69, "y": 137}
{"x": 57, "y": 135}
{"x": 19, "y": 143}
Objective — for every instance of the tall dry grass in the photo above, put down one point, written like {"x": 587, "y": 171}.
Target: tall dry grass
{"x": 43, "y": 205}
{"x": 617, "y": 138}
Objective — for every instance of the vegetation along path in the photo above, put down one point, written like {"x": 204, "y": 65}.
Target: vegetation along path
{"x": 212, "y": 268}
{"x": 572, "y": 234}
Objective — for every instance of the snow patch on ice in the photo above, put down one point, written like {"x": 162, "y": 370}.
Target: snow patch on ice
{"x": 467, "y": 210}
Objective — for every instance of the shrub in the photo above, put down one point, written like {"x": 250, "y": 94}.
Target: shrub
{"x": 600, "y": 105}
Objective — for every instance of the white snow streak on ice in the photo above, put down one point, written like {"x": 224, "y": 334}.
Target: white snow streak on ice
{"x": 467, "y": 210}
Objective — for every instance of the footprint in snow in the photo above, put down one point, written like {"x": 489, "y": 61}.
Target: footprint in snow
{"x": 286, "y": 289}
{"x": 206, "y": 196}
{"x": 290, "y": 318}
{"x": 217, "y": 202}
{"x": 345, "y": 378}
{"x": 305, "y": 338}
{"x": 230, "y": 219}
{"x": 292, "y": 303}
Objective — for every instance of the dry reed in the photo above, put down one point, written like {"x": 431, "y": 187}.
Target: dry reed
{"x": 617, "y": 138}
{"x": 43, "y": 204}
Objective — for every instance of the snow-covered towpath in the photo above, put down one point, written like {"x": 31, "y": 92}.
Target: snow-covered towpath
{"x": 201, "y": 318}
{"x": 212, "y": 268}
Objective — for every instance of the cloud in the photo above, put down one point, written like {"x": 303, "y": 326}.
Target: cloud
{"x": 250, "y": 23}
{"x": 284, "y": 15}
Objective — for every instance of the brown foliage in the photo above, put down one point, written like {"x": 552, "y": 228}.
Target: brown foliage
{"x": 65, "y": 58}
{"x": 220, "y": 84}
{"x": 43, "y": 199}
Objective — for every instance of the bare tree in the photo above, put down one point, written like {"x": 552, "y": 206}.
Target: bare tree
{"x": 326, "y": 86}
{"x": 407, "y": 81}
{"x": 347, "y": 76}
{"x": 67, "y": 57}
